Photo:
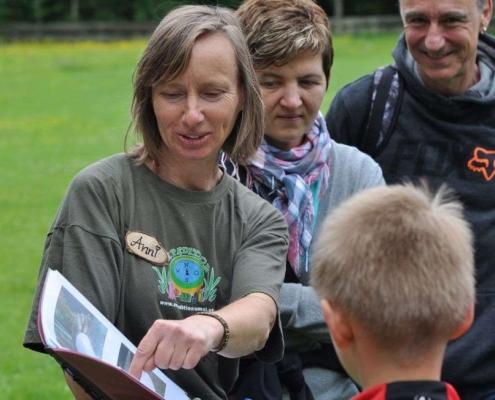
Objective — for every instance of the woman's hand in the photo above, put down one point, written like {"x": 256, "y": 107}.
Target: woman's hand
{"x": 170, "y": 344}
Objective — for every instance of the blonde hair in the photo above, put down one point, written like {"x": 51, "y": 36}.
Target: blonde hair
{"x": 167, "y": 56}
{"x": 279, "y": 30}
{"x": 400, "y": 260}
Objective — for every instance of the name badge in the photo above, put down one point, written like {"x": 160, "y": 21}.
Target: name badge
{"x": 147, "y": 247}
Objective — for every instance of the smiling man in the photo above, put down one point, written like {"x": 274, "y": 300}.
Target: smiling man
{"x": 442, "y": 37}
{"x": 436, "y": 120}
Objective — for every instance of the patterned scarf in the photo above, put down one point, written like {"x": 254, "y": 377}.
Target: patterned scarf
{"x": 289, "y": 175}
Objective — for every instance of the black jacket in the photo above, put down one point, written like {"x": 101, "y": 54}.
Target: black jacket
{"x": 445, "y": 140}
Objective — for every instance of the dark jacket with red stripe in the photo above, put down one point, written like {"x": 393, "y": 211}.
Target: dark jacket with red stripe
{"x": 410, "y": 390}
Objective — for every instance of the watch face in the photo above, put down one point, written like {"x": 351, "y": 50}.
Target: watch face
{"x": 186, "y": 272}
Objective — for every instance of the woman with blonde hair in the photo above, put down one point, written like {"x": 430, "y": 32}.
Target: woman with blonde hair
{"x": 182, "y": 258}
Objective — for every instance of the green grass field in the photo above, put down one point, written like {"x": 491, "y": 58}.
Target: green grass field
{"x": 63, "y": 106}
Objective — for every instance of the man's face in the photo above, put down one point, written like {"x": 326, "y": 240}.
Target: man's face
{"x": 442, "y": 36}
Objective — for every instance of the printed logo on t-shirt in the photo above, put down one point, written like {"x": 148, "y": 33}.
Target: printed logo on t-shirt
{"x": 188, "y": 278}
{"x": 147, "y": 247}
{"x": 483, "y": 162}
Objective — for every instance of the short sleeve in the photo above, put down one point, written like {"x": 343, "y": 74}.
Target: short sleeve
{"x": 83, "y": 244}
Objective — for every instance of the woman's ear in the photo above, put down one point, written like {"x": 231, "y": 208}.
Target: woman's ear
{"x": 337, "y": 323}
{"x": 465, "y": 324}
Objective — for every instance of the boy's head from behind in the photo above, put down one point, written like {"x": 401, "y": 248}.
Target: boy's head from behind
{"x": 398, "y": 262}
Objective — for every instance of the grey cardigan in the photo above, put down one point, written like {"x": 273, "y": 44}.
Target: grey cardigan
{"x": 350, "y": 172}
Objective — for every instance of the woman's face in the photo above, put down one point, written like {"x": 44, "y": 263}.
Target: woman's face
{"x": 196, "y": 112}
{"x": 292, "y": 95}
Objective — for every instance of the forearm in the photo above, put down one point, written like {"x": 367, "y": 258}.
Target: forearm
{"x": 250, "y": 321}
{"x": 179, "y": 344}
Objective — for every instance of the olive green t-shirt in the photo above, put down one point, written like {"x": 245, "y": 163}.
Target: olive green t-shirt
{"x": 221, "y": 245}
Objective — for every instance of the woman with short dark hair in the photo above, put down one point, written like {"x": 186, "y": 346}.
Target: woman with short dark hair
{"x": 303, "y": 173}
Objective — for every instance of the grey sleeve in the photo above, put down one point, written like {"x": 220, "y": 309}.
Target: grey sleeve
{"x": 300, "y": 312}
{"x": 353, "y": 171}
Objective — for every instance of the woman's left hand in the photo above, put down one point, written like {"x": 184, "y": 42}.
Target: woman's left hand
{"x": 170, "y": 344}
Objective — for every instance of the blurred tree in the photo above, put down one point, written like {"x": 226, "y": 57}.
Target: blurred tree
{"x": 74, "y": 10}
{"x": 37, "y": 10}
{"x": 327, "y": 5}
{"x": 376, "y": 7}
{"x": 338, "y": 8}
{"x": 152, "y": 10}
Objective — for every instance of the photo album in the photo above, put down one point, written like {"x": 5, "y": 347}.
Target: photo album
{"x": 93, "y": 349}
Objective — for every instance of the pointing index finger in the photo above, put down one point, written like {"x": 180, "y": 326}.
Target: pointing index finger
{"x": 144, "y": 352}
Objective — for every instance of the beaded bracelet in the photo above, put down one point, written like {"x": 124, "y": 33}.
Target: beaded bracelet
{"x": 226, "y": 330}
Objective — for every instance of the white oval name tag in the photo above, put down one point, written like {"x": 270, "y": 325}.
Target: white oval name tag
{"x": 147, "y": 247}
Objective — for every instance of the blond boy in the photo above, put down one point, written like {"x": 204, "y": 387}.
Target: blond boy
{"x": 394, "y": 269}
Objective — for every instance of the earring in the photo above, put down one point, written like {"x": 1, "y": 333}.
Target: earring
{"x": 483, "y": 29}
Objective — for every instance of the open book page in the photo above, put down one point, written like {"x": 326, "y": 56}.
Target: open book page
{"x": 69, "y": 321}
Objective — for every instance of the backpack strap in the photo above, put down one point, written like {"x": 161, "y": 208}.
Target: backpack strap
{"x": 386, "y": 99}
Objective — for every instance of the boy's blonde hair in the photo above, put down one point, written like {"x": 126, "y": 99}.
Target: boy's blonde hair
{"x": 398, "y": 259}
